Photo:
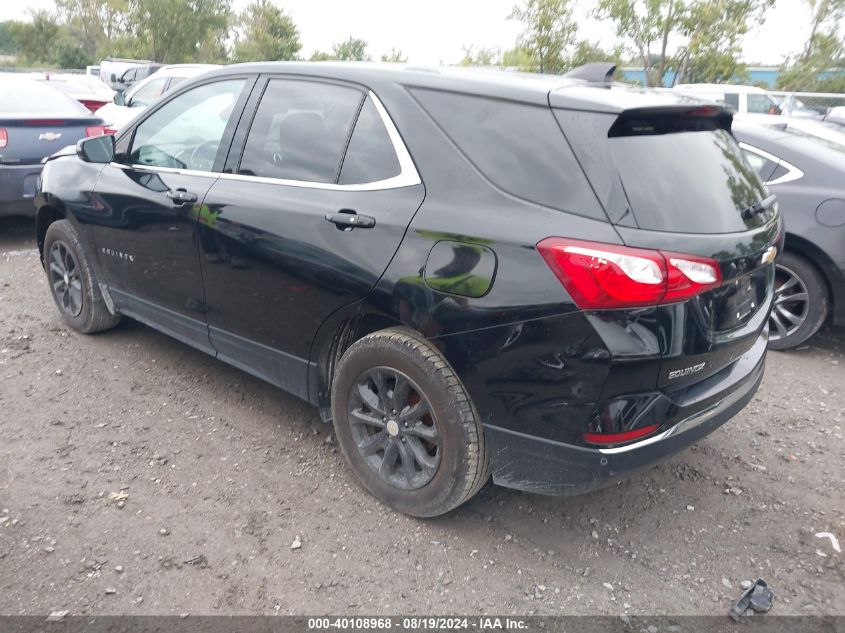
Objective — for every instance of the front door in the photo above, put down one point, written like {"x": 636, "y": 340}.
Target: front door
{"x": 317, "y": 206}
{"x": 147, "y": 203}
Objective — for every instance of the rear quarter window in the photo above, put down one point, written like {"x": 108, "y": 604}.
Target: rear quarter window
{"x": 516, "y": 146}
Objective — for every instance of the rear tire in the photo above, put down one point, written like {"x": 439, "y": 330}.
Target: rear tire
{"x": 73, "y": 281}
{"x": 421, "y": 464}
{"x": 801, "y": 302}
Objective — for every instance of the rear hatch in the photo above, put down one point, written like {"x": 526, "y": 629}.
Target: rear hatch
{"x": 25, "y": 141}
{"x": 679, "y": 184}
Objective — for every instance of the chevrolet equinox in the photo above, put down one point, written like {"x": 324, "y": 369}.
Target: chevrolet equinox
{"x": 554, "y": 280}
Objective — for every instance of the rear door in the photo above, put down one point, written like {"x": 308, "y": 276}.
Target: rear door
{"x": 682, "y": 185}
{"x": 319, "y": 196}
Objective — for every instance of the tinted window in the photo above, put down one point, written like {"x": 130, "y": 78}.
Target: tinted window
{"x": 689, "y": 182}
{"x": 732, "y": 101}
{"x": 148, "y": 93}
{"x": 370, "y": 156}
{"x": 518, "y": 147}
{"x": 300, "y": 131}
{"x": 185, "y": 133}
{"x": 32, "y": 97}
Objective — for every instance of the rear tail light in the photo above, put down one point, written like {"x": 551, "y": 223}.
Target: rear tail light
{"x": 4, "y": 137}
{"x": 95, "y": 130}
{"x": 601, "y": 276}
{"x": 92, "y": 104}
{"x": 618, "y": 438}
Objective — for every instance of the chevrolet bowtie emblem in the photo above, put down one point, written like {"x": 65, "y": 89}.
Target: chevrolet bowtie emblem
{"x": 49, "y": 136}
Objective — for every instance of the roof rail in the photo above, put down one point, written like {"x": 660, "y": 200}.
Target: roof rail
{"x": 598, "y": 72}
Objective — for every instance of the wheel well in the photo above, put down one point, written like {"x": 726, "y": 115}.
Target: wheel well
{"x": 45, "y": 217}
{"x": 346, "y": 334}
{"x": 811, "y": 255}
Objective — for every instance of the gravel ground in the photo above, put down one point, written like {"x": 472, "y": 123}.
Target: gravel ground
{"x": 138, "y": 476}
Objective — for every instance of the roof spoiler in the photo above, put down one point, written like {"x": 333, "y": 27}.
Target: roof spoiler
{"x": 596, "y": 72}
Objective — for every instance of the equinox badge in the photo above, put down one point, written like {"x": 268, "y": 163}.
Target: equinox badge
{"x": 686, "y": 371}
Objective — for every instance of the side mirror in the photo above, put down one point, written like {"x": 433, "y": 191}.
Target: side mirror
{"x": 119, "y": 98}
{"x": 97, "y": 149}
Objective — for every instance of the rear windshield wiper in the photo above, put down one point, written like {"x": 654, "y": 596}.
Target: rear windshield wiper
{"x": 759, "y": 207}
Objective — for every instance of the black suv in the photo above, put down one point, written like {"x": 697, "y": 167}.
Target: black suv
{"x": 553, "y": 279}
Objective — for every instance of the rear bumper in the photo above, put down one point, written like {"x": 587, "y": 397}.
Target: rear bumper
{"x": 544, "y": 466}
{"x": 18, "y": 186}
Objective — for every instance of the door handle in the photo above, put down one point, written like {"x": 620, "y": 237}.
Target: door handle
{"x": 181, "y": 196}
{"x": 347, "y": 219}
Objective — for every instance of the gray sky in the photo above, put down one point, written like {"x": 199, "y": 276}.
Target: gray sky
{"x": 434, "y": 31}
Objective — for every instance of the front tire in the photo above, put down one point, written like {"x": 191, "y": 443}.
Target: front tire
{"x": 73, "y": 281}
{"x": 406, "y": 424}
{"x": 801, "y": 302}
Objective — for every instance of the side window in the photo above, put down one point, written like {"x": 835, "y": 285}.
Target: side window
{"x": 149, "y": 93}
{"x": 763, "y": 166}
{"x": 370, "y": 156}
{"x": 300, "y": 131}
{"x": 186, "y": 132}
{"x": 518, "y": 147}
{"x": 761, "y": 104}
{"x": 732, "y": 101}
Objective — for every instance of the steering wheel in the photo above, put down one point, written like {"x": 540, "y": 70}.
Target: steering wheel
{"x": 201, "y": 157}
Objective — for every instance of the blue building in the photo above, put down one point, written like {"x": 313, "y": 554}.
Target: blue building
{"x": 767, "y": 75}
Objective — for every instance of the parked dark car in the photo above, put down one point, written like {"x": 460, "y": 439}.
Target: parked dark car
{"x": 36, "y": 120}
{"x": 445, "y": 262}
{"x": 807, "y": 174}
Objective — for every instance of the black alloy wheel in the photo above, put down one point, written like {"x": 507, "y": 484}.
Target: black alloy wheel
{"x": 65, "y": 279}
{"x": 394, "y": 428}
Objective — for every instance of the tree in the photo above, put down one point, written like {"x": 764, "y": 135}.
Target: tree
{"x": 8, "y": 45}
{"x": 173, "y": 31}
{"x": 586, "y": 52}
{"x": 482, "y": 56}
{"x": 66, "y": 54}
{"x": 35, "y": 38}
{"x": 518, "y": 58}
{"x": 395, "y": 55}
{"x": 351, "y": 50}
{"x": 714, "y": 29}
{"x": 266, "y": 33}
{"x": 548, "y": 32}
{"x": 94, "y": 24}
{"x": 320, "y": 56}
{"x": 646, "y": 25}
{"x": 824, "y": 50}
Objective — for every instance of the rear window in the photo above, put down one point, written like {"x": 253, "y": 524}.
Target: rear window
{"x": 370, "y": 157}
{"x": 518, "y": 147}
{"x": 687, "y": 182}
{"x": 31, "y": 97}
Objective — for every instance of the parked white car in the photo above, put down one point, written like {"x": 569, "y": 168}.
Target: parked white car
{"x": 740, "y": 99}
{"x": 126, "y": 106}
